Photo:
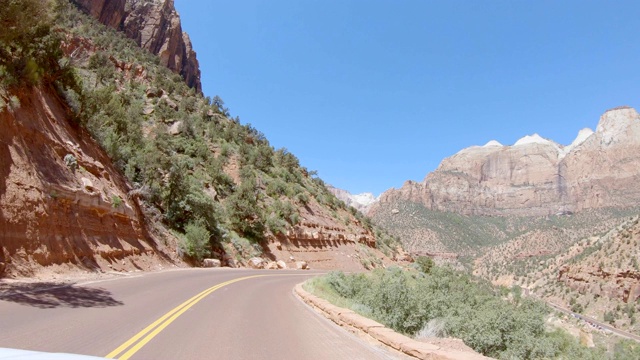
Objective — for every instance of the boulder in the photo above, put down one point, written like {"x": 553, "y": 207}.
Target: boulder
{"x": 271, "y": 265}
{"x": 211, "y": 263}
{"x": 256, "y": 263}
{"x": 302, "y": 265}
{"x": 229, "y": 261}
{"x": 87, "y": 184}
{"x": 281, "y": 264}
{"x": 175, "y": 128}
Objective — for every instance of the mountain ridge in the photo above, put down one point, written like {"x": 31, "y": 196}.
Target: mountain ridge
{"x": 536, "y": 176}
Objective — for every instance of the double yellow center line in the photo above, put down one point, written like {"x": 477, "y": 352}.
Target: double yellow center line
{"x": 140, "y": 339}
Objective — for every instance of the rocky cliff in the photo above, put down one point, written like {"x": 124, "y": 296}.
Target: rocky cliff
{"x": 536, "y": 176}
{"x": 153, "y": 25}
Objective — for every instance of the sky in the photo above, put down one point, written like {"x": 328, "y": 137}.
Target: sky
{"x": 371, "y": 93}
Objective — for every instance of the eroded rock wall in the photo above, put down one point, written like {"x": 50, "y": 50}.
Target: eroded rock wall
{"x": 61, "y": 199}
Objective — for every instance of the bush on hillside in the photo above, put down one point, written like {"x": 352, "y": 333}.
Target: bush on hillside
{"x": 461, "y": 306}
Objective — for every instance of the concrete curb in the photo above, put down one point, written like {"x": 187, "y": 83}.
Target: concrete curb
{"x": 407, "y": 345}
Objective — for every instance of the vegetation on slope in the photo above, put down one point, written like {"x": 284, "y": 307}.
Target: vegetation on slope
{"x": 437, "y": 301}
{"x": 30, "y": 52}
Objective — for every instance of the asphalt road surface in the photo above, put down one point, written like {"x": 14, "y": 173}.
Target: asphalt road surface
{"x": 181, "y": 314}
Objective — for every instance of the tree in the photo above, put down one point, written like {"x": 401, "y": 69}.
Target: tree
{"x": 245, "y": 215}
{"x": 425, "y": 264}
{"x": 21, "y": 18}
{"x": 29, "y": 51}
{"x": 219, "y": 105}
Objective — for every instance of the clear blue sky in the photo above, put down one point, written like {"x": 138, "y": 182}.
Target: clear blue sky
{"x": 371, "y": 93}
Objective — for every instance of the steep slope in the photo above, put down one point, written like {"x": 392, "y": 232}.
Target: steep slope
{"x": 153, "y": 25}
{"x": 61, "y": 199}
{"x": 536, "y": 176}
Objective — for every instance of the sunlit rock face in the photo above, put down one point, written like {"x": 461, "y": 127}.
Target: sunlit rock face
{"x": 536, "y": 176}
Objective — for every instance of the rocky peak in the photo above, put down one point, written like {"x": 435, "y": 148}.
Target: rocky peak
{"x": 493, "y": 143}
{"x": 618, "y": 124}
{"x": 153, "y": 25}
{"x": 534, "y": 139}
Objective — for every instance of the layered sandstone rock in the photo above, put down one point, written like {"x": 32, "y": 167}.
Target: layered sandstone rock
{"x": 154, "y": 25}
{"x": 623, "y": 285}
{"x": 61, "y": 199}
{"x": 536, "y": 176}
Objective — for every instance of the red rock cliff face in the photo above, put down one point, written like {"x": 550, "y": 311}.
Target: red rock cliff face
{"x": 536, "y": 176}
{"x": 52, "y": 212}
{"x": 154, "y": 25}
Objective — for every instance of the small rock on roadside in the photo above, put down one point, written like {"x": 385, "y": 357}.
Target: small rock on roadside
{"x": 212, "y": 263}
{"x": 256, "y": 263}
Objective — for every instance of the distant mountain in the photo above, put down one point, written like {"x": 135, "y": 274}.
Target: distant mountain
{"x": 536, "y": 176}
{"x": 362, "y": 202}
{"x": 533, "y": 214}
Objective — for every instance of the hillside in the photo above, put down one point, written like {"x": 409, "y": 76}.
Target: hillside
{"x": 597, "y": 275}
{"x": 109, "y": 154}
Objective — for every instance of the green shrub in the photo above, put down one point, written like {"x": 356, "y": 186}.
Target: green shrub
{"x": 196, "y": 241}
{"x": 425, "y": 264}
{"x": 462, "y": 307}
{"x": 116, "y": 201}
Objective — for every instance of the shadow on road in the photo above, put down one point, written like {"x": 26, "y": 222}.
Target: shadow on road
{"x": 48, "y": 295}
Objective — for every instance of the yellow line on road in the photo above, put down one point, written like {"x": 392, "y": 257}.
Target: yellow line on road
{"x": 157, "y": 326}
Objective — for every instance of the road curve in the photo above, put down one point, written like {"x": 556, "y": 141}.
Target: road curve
{"x": 252, "y": 318}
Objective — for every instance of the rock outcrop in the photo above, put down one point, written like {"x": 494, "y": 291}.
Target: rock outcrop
{"x": 610, "y": 268}
{"x": 153, "y": 25}
{"x": 536, "y": 176}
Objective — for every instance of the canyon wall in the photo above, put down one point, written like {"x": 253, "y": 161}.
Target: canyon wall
{"x": 535, "y": 176}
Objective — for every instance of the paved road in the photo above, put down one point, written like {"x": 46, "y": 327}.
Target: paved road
{"x": 595, "y": 323}
{"x": 182, "y": 314}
